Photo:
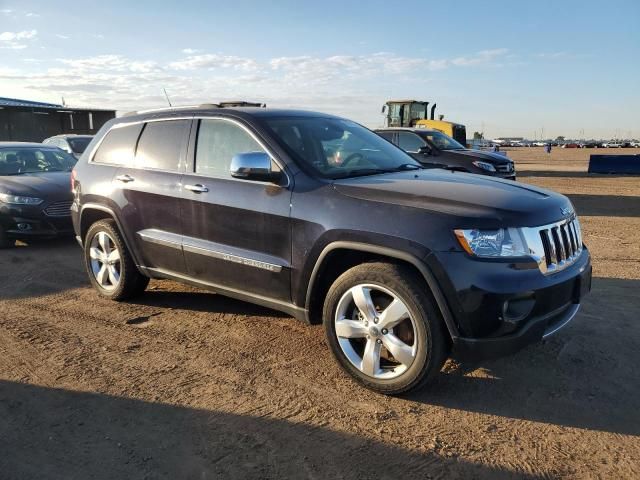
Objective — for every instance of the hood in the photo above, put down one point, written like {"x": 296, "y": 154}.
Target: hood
{"x": 490, "y": 157}
{"x": 477, "y": 201}
{"x": 42, "y": 185}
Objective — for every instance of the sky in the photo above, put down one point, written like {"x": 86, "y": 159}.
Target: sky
{"x": 536, "y": 69}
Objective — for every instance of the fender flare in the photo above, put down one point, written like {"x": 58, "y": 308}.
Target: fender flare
{"x": 112, "y": 214}
{"x": 426, "y": 273}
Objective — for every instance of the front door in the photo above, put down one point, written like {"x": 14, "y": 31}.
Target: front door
{"x": 236, "y": 233}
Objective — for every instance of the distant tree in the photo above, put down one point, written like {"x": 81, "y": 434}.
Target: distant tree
{"x": 478, "y": 135}
{"x": 560, "y": 139}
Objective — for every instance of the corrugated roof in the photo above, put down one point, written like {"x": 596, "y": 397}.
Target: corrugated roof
{"x": 16, "y": 102}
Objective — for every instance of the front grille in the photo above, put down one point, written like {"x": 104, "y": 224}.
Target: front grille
{"x": 554, "y": 246}
{"x": 562, "y": 244}
{"x": 58, "y": 209}
{"x": 507, "y": 168}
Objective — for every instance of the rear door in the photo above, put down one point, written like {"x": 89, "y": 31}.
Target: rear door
{"x": 150, "y": 190}
{"x": 236, "y": 233}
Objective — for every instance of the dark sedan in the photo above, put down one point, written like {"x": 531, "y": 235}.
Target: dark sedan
{"x": 35, "y": 191}
{"x": 434, "y": 149}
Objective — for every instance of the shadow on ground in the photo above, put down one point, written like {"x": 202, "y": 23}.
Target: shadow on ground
{"x": 202, "y": 301}
{"x": 605, "y": 205}
{"x": 51, "y": 433}
{"x": 585, "y": 376}
{"x": 569, "y": 174}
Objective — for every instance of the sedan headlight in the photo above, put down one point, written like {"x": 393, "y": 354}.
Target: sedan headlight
{"x": 501, "y": 242}
{"x": 484, "y": 166}
{"x": 19, "y": 199}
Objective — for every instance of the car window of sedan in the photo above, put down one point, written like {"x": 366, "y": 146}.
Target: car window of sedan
{"x": 218, "y": 142}
{"x": 410, "y": 142}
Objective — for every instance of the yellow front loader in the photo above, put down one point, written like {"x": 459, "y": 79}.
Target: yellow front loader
{"x": 413, "y": 113}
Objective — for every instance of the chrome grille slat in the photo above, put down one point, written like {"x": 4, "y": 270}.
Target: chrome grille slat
{"x": 58, "y": 209}
{"x": 555, "y": 246}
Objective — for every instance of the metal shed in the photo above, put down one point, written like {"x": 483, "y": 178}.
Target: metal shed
{"x": 28, "y": 121}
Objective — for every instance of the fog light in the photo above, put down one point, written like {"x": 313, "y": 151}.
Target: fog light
{"x": 517, "y": 309}
{"x": 24, "y": 227}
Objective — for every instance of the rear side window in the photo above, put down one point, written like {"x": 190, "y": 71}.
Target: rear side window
{"x": 218, "y": 142}
{"x": 162, "y": 143}
{"x": 118, "y": 145}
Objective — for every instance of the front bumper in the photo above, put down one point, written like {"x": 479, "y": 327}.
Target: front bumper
{"x": 30, "y": 221}
{"x": 485, "y": 292}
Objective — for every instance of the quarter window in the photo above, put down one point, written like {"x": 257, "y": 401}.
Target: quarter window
{"x": 218, "y": 142}
{"x": 410, "y": 142}
{"x": 118, "y": 145}
{"x": 161, "y": 144}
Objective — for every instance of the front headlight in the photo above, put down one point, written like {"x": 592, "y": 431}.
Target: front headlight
{"x": 502, "y": 242}
{"x": 484, "y": 166}
{"x": 19, "y": 199}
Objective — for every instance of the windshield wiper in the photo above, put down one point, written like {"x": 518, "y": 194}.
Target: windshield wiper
{"x": 406, "y": 166}
{"x": 361, "y": 172}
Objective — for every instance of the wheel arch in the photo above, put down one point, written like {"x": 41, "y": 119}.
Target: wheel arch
{"x": 94, "y": 212}
{"x": 356, "y": 254}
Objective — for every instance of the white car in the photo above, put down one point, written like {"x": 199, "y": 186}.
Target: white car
{"x": 612, "y": 144}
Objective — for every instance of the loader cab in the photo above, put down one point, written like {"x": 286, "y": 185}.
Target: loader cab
{"x": 413, "y": 113}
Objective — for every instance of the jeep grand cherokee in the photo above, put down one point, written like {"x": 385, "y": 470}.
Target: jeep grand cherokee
{"x": 319, "y": 217}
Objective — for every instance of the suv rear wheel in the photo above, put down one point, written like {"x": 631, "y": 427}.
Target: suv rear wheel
{"x": 109, "y": 265}
{"x": 383, "y": 328}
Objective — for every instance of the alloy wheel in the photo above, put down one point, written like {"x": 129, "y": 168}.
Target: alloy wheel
{"x": 105, "y": 261}
{"x": 376, "y": 331}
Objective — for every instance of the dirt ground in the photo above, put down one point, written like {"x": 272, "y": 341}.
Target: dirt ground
{"x": 184, "y": 383}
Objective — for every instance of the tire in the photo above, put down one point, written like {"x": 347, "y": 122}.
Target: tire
{"x": 113, "y": 276}
{"x": 424, "y": 346}
{"x": 5, "y": 242}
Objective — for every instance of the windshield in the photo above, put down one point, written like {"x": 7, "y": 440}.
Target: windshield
{"x": 336, "y": 148}
{"x": 16, "y": 161}
{"x": 79, "y": 144}
{"x": 442, "y": 141}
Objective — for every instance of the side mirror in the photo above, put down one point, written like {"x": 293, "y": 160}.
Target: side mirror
{"x": 424, "y": 150}
{"x": 384, "y": 109}
{"x": 253, "y": 166}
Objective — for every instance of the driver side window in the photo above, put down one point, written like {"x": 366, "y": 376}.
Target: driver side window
{"x": 410, "y": 142}
{"x": 218, "y": 142}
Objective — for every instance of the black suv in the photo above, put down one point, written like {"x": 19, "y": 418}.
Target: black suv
{"x": 434, "y": 149}
{"x": 321, "y": 218}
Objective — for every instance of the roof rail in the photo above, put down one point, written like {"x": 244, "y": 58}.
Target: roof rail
{"x": 161, "y": 109}
{"x": 240, "y": 103}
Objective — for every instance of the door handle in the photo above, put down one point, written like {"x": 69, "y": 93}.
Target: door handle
{"x": 125, "y": 178}
{"x": 197, "y": 188}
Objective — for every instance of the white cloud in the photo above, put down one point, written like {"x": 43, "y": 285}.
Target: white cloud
{"x": 212, "y": 61}
{"x": 63, "y": 37}
{"x": 6, "y": 11}
{"x": 351, "y": 85}
{"x": 15, "y": 40}
{"x": 190, "y": 51}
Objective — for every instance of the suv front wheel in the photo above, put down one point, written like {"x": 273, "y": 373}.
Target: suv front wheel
{"x": 383, "y": 327}
{"x": 109, "y": 265}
